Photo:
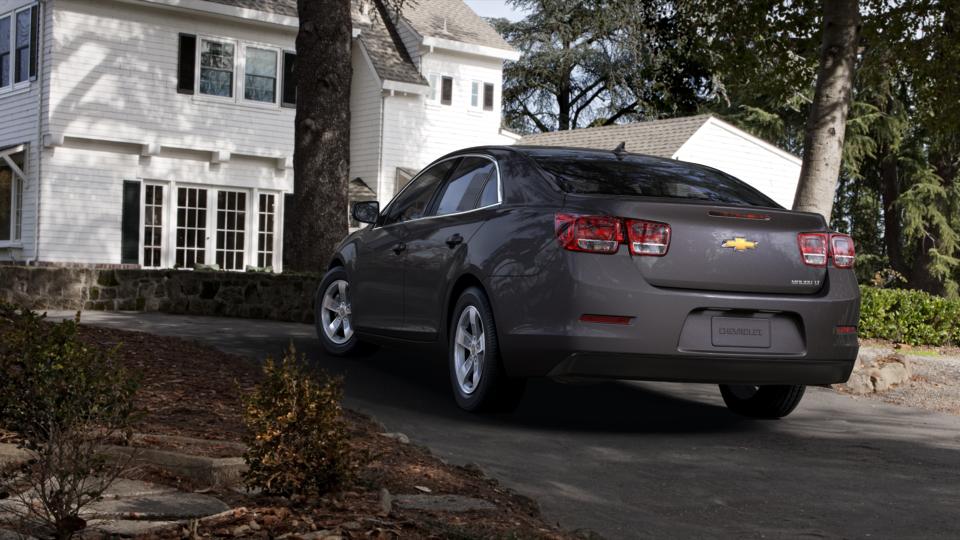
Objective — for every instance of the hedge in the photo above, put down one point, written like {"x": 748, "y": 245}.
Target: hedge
{"x": 909, "y": 316}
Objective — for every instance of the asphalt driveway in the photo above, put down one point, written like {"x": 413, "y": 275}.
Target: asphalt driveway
{"x": 653, "y": 460}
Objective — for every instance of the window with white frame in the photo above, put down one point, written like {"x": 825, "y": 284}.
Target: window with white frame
{"x": 11, "y": 192}
{"x": 266, "y": 215}
{"x": 18, "y": 31}
{"x": 217, "y": 60}
{"x": 191, "y": 227}
{"x": 475, "y": 87}
{"x": 261, "y": 70}
{"x": 153, "y": 226}
{"x": 231, "y": 226}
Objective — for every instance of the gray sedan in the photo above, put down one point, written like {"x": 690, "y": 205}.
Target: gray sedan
{"x": 522, "y": 262}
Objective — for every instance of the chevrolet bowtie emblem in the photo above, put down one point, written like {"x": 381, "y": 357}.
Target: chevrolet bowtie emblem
{"x": 740, "y": 244}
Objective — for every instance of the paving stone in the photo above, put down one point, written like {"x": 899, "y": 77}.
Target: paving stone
{"x": 129, "y": 527}
{"x": 135, "y": 488}
{"x": 164, "y": 506}
{"x": 443, "y": 503}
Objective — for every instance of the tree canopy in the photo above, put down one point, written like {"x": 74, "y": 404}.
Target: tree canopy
{"x": 755, "y": 64}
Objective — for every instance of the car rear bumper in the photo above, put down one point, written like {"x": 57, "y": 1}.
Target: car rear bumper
{"x": 703, "y": 369}
{"x": 669, "y": 334}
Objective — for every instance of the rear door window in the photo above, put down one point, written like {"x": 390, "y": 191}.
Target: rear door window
{"x": 462, "y": 192}
{"x": 412, "y": 202}
{"x": 645, "y": 176}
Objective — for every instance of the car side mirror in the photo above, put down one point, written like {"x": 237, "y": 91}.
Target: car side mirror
{"x": 366, "y": 211}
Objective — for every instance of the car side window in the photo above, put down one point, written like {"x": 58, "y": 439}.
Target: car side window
{"x": 413, "y": 200}
{"x": 491, "y": 192}
{"x": 462, "y": 192}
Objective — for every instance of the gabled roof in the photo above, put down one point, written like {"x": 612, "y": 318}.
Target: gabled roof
{"x": 661, "y": 138}
{"x": 453, "y": 20}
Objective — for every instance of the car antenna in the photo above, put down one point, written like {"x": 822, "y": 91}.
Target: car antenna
{"x": 620, "y": 150}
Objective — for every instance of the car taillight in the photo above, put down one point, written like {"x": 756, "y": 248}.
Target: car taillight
{"x": 648, "y": 237}
{"x": 813, "y": 248}
{"x": 842, "y": 250}
{"x": 816, "y": 248}
{"x": 594, "y": 234}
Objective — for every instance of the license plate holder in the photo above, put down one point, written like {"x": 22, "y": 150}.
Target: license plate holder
{"x": 740, "y": 332}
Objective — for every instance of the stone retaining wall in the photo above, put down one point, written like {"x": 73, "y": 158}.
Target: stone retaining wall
{"x": 282, "y": 297}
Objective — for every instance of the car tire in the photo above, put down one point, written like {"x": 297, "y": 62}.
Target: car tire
{"x": 489, "y": 389}
{"x": 770, "y": 402}
{"x": 342, "y": 340}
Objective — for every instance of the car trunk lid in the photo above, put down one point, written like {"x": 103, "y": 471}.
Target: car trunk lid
{"x": 719, "y": 248}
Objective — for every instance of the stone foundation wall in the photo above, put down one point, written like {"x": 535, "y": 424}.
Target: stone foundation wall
{"x": 282, "y": 297}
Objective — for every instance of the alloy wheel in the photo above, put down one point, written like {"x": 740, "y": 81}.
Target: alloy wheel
{"x": 468, "y": 350}
{"x": 335, "y": 312}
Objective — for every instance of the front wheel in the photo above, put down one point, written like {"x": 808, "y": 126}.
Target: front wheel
{"x": 476, "y": 372}
{"x": 333, "y": 315}
{"x": 770, "y": 402}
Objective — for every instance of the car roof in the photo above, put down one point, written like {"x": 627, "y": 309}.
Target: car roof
{"x": 565, "y": 152}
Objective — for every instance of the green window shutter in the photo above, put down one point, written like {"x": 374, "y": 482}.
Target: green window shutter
{"x": 130, "y": 224}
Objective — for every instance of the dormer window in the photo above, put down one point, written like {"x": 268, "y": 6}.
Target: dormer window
{"x": 216, "y": 68}
{"x": 446, "y": 90}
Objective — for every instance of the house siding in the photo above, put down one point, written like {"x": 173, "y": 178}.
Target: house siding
{"x": 418, "y": 131}
{"x": 365, "y": 120}
{"x": 770, "y": 171}
{"x": 20, "y": 115}
{"x": 114, "y": 89}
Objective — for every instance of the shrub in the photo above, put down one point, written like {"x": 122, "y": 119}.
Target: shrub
{"x": 298, "y": 443}
{"x": 64, "y": 401}
{"x": 909, "y": 316}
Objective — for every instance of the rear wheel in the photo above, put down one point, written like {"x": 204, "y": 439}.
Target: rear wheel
{"x": 762, "y": 401}
{"x": 476, "y": 372}
{"x": 333, "y": 315}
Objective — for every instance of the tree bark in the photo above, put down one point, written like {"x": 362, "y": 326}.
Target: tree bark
{"x": 316, "y": 215}
{"x": 892, "y": 224}
{"x": 823, "y": 141}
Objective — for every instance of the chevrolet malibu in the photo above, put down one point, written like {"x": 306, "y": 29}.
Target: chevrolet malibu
{"x": 523, "y": 262}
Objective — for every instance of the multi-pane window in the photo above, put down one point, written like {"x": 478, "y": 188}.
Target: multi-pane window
{"x": 216, "y": 68}
{"x": 191, "y": 227}
{"x": 260, "y": 75}
{"x": 152, "y": 226}
{"x": 231, "y": 225}
{"x": 265, "y": 229}
{"x": 11, "y": 191}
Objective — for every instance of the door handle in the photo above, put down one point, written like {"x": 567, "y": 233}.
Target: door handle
{"x": 399, "y": 248}
{"x": 454, "y": 240}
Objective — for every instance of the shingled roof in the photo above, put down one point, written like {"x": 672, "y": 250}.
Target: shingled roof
{"x": 655, "y": 138}
{"x": 451, "y": 19}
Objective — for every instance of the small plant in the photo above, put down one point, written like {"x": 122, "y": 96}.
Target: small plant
{"x": 909, "y": 316}
{"x": 64, "y": 401}
{"x": 298, "y": 443}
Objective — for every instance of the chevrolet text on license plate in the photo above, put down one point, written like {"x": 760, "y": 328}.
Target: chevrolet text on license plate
{"x": 740, "y": 332}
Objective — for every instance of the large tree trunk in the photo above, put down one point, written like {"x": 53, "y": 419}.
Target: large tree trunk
{"x": 892, "y": 224}
{"x": 823, "y": 142}
{"x": 316, "y": 218}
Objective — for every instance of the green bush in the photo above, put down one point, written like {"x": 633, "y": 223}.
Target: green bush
{"x": 298, "y": 443}
{"x": 63, "y": 400}
{"x": 909, "y": 316}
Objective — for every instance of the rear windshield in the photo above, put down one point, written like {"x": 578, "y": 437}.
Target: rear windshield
{"x": 644, "y": 176}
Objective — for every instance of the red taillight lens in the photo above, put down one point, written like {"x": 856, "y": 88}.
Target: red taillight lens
{"x": 594, "y": 234}
{"x": 648, "y": 237}
{"x": 842, "y": 250}
{"x": 813, "y": 248}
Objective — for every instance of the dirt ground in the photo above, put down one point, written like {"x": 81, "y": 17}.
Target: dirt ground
{"x": 190, "y": 390}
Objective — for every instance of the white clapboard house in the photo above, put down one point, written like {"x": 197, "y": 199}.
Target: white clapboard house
{"x": 159, "y": 133}
{"x": 702, "y": 139}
